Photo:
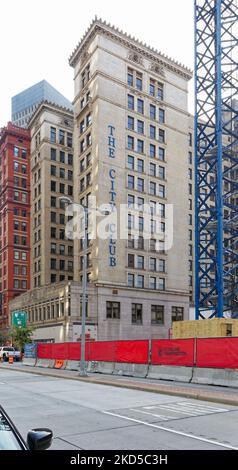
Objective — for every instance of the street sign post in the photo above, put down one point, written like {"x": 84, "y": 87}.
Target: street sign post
{"x": 19, "y": 319}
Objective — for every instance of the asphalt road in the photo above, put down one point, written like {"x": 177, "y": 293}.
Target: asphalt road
{"x": 91, "y": 416}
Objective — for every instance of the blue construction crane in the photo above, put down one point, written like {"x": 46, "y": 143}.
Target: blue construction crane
{"x": 216, "y": 158}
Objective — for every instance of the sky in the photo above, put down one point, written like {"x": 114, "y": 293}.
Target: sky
{"x": 37, "y": 38}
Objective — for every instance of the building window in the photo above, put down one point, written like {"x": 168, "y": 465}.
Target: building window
{"x": 131, "y": 261}
{"x": 130, "y": 280}
{"x": 140, "y": 146}
{"x": 140, "y": 262}
{"x": 131, "y": 104}
{"x": 16, "y": 166}
{"x": 69, "y": 140}
{"x": 161, "y": 285}
{"x": 157, "y": 314}
{"x": 152, "y": 132}
{"x": 16, "y": 151}
{"x": 153, "y": 283}
{"x": 136, "y": 314}
{"x": 62, "y": 157}
{"x": 152, "y": 169}
{"x": 152, "y": 111}
{"x": 53, "y": 154}
{"x": 61, "y": 137}
{"x": 161, "y": 136}
{"x": 53, "y": 170}
{"x": 161, "y": 116}
{"x": 161, "y": 154}
{"x": 53, "y": 135}
{"x": 140, "y": 106}
{"x": 161, "y": 265}
{"x": 140, "y": 185}
{"x": 152, "y": 87}
{"x": 53, "y": 248}
{"x": 113, "y": 310}
{"x": 130, "y": 123}
{"x": 130, "y": 142}
{"x": 131, "y": 182}
{"x": 162, "y": 172}
{"x": 152, "y": 188}
{"x": 190, "y": 139}
{"x": 53, "y": 186}
{"x": 177, "y": 313}
{"x": 161, "y": 190}
{"x": 160, "y": 91}
{"x": 139, "y": 81}
{"x": 140, "y": 282}
{"x": 140, "y": 165}
{"x": 140, "y": 127}
{"x": 130, "y": 162}
{"x": 130, "y": 77}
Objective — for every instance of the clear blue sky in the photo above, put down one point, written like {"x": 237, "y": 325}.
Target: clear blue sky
{"x": 36, "y": 38}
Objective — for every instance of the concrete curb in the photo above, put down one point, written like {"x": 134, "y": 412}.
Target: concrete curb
{"x": 172, "y": 390}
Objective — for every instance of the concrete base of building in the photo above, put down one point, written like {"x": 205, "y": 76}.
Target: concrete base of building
{"x": 222, "y": 377}
{"x": 174, "y": 373}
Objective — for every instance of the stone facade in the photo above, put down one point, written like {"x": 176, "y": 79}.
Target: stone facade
{"x": 131, "y": 143}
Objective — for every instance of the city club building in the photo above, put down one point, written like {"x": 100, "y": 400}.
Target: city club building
{"x": 132, "y": 139}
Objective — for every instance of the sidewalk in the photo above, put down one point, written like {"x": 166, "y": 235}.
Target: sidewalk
{"x": 200, "y": 392}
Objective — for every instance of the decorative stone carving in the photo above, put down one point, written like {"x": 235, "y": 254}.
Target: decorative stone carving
{"x": 157, "y": 69}
{"x": 85, "y": 57}
{"x": 134, "y": 57}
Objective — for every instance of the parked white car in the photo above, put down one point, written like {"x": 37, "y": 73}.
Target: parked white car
{"x": 9, "y": 351}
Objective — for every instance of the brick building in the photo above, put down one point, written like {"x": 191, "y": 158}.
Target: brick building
{"x": 14, "y": 216}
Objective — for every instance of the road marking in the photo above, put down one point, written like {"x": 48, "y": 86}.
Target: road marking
{"x": 2, "y": 383}
{"x": 206, "y": 407}
{"x": 165, "y": 418}
{"x": 172, "y": 431}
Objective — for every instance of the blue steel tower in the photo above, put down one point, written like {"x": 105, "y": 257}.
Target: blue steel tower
{"x": 216, "y": 158}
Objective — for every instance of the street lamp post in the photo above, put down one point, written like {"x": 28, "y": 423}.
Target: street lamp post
{"x": 82, "y": 371}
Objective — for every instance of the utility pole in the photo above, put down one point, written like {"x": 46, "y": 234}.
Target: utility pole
{"x": 83, "y": 372}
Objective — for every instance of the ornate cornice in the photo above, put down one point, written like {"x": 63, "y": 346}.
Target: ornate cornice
{"x": 133, "y": 44}
{"x": 49, "y": 105}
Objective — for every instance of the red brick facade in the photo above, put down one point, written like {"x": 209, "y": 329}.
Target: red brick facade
{"x": 14, "y": 216}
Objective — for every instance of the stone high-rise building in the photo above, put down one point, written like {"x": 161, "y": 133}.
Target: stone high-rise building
{"x": 131, "y": 146}
{"x": 51, "y": 178}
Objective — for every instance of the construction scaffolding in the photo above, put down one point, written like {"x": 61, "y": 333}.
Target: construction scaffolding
{"x": 216, "y": 158}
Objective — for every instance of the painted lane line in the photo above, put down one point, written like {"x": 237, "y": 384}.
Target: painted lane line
{"x": 206, "y": 407}
{"x": 180, "y": 410}
{"x": 172, "y": 431}
{"x": 165, "y": 418}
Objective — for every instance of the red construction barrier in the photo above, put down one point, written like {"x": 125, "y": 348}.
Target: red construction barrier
{"x": 74, "y": 351}
{"x": 60, "y": 351}
{"x": 176, "y": 352}
{"x": 217, "y": 353}
{"x": 134, "y": 352}
{"x": 104, "y": 351}
{"x": 44, "y": 351}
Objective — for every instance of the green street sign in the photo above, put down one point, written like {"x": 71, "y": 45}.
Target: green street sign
{"x": 19, "y": 319}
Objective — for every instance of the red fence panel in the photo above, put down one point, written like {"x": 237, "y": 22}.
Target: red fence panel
{"x": 134, "y": 352}
{"x": 59, "y": 351}
{"x": 44, "y": 351}
{"x": 102, "y": 351}
{"x": 217, "y": 353}
{"x": 74, "y": 351}
{"x": 176, "y": 352}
